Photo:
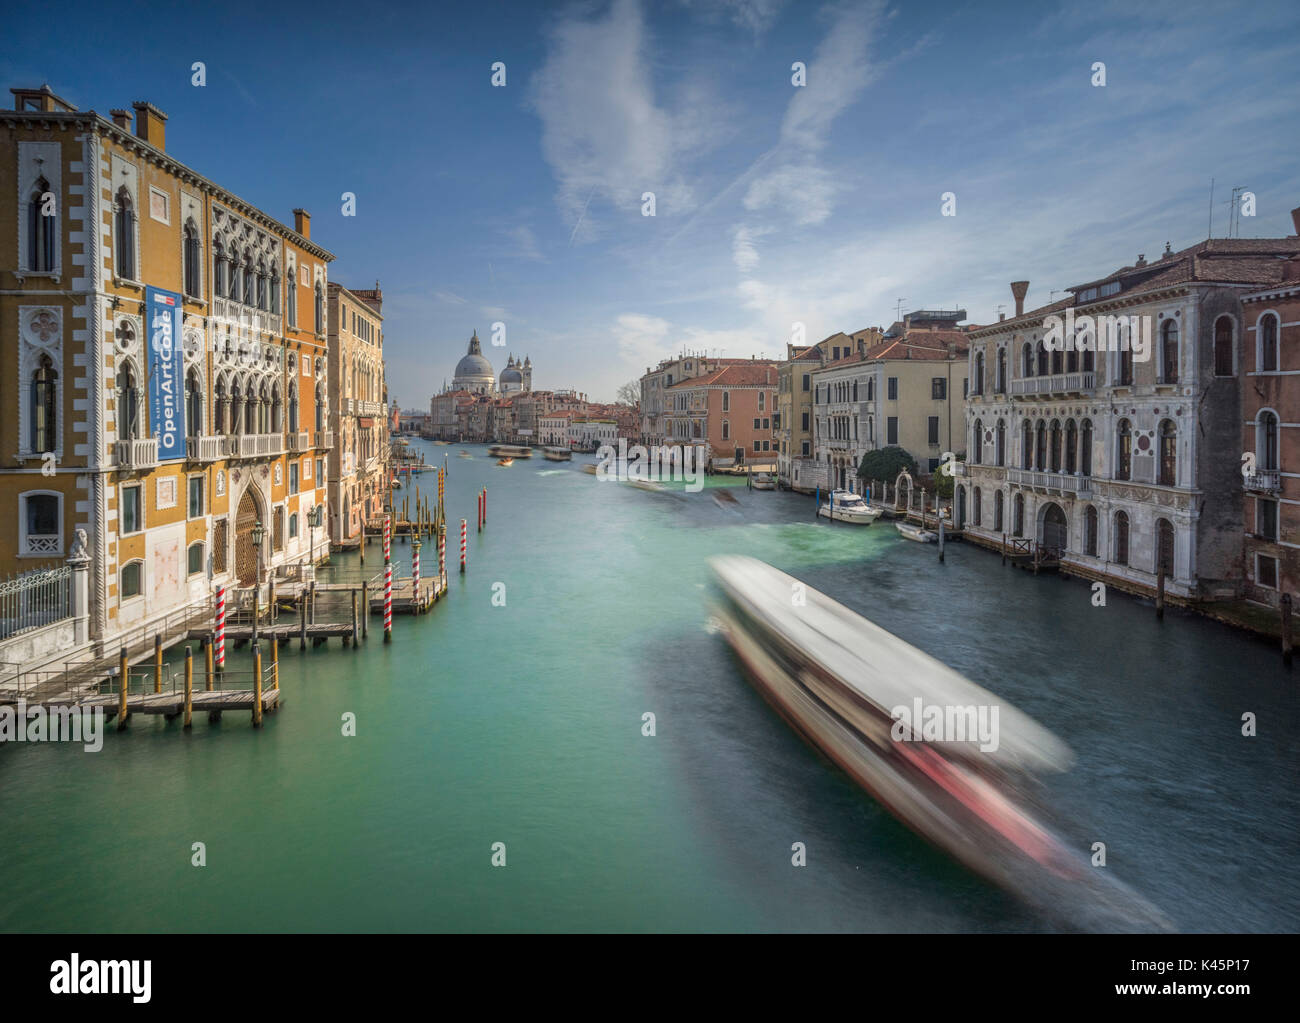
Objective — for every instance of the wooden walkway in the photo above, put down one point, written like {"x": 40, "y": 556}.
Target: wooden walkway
{"x": 173, "y": 704}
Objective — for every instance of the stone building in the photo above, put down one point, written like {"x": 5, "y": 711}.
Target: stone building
{"x": 166, "y": 348}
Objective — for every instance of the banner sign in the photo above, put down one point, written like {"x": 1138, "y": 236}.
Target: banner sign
{"x": 166, "y": 371}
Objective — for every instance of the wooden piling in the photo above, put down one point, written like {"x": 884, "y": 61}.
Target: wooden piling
{"x": 354, "y": 618}
{"x": 189, "y": 688}
{"x": 257, "y": 685}
{"x": 256, "y": 609}
{"x": 207, "y": 661}
{"x": 302, "y": 619}
{"x": 157, "y": 662}
{"x": 365, "y": 609}
{"x": 1004, "y": 548}
{"x": 124, "y": 670}
{"x": 311, "y": 607}
{"x": 1160, "y": 594}
{"x": 941, "y": 539}
{"x": 1286, "y": 629}
{"x": 275, "y": 668}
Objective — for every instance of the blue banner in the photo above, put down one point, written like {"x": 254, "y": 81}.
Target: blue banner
{"x": 166, "y": 370}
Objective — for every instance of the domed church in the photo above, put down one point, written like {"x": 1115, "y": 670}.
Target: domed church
{"x": 474, "y": 373}
{"x": 517, "y": 376}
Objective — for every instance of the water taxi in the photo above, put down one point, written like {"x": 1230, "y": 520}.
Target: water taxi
{"x": 510, "y": 451}
{"x": 557, "y": 454}
{"x": 847, "y": 685}
{"x": 589, "y": 469}
{"x": 650, "y": 485}
{"x": 464, "y": 454}
{"x": 845, "y": 506}
{"x": 915, "y": 532}
{"x": 505, "y": 461}
{"x": 763, "y": 481}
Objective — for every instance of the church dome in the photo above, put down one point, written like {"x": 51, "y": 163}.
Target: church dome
{"x": 473, "y": 367}
{"x": 511, "y": 376}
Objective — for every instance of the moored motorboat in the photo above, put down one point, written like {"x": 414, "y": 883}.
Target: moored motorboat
{"x": 763, "y": 481}
{"x": 849, "y": 687}
{"x": 846, "y": 506}
{"x": 914, "y": 532}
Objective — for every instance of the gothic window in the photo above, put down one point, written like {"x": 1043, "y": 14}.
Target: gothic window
{"x": 127, "y": 404}
{"x": 43, "y": 406}
{"x": 1168, "y": 472}
{"x": 1124, "y": 451}
{"x": 1268, "y": 343}
{"x": 193, "y": 403}
{"x": 124, "y": 232}
{"x": 190, "y": 251}
{"x": 42, "y": 231}
{"x": 1169, "y": 351}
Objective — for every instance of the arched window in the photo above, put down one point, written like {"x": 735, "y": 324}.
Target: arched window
{"x": 263, "y": 409}
{"x": 131, "y": 580}
{"x": 1085, "y": 448}
{"x": 977, "y": 499}
{"x": 190, "y": 251}
{"x": 1266, "y": 456}
{"x": 871, "y": 388}
{"x": 1056, "y": 445}
{"x": 1042, "y": 358}
{"x": 219, "y": 268}
{"x": 1169, "y": 351}
{"x": 252, "y": 408}
{"x": 320, "y": 309}
{"x": 127, "y": 408}
{"x": 124, "y": 235}
{"x": 1124, "y": 450}
{"x": 1268, "y": 343}
{"x": 194, "y": 558}
{"x": 1167, "y": 474}
{"x": 1223, "y": 346}
{"x": 1089, "y": 361}
{"x": 1124, "y": 360}
{"x": 1001, "y": 372}
{"x": 1027, "y": 445}
{"x": 997, "y": 511}
{"x": 1040, "y": 447}
{"x": 193, "y": 404}
{"x": 320, "y": 407}
{"x": 977, "y": 442}
{"x": 1018, "y": 515}
{"x": 42, "y": 231}
{"x": 276, "y": 409}
{"x": 291, "y": 298}
{"x": 1027, "y": 351}
{"x": 236, "y": 408}
{"x": 1072, "y": 361}
{"x": 261, "y": 285}
{"x": 1121, "y": 538}
{"x": 293, "y": 407}
{"x": 1090, "y": 531}
{"x": 250, "y": 280}
{"x": 1000, "y": 449}
{"x": 236, "y": 275}
{"x": 1058, "y": 360}
{"x": 1071, "y": 447}
{"x": 979, "y": 373}
{"x": 43, "y": 406}
{"x": 220, "y": 412}
{"x": 275, "y": 290}
{"x": 1165, "y": 546}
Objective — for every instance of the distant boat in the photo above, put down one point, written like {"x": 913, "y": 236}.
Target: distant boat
{"x": 915, "y": 532}
{"x": 849, "y": 507}
{"x": 590, "y": 470}
{"x": 510, "y": 450}
{"x": 505, "y": 461}
{"x": 764, "y": 481}
{"x": 465, "y": 454}
{"x": 650, "y": 485}
{"x": 557, "y": 454}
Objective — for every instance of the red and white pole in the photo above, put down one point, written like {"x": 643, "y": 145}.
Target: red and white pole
{"x": 480, "y": 511}
{"x": 388, "y": 601}
{"x": 464, "y": 528}
{"x": 442, "y": 556}
{"x": 388, "y": 537}
{"x": 415, "y": 573}
{"x": 221, "y": 628}
{"x": 485, "y": 506}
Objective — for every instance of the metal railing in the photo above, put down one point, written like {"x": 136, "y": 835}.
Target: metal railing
{"x": 1057, "y": 383}
{"x": 1063, "y": 482}
{"x": 35, "y": 599}
{"x": 1268, "y": 481}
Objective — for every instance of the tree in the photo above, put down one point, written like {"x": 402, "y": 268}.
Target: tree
{"x": 884, "y": 465}
{"x": 943, "y": 481}
{"x": 629, "y": 393}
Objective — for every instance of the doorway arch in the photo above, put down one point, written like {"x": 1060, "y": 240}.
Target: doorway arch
{"x": 1053, "y": 527}
{"x": 249, "y": 514}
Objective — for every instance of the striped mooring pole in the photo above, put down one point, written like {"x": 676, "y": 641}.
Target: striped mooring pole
{"x": 388, "y": 601}
{"x": 415, "y": 572}
{"x": 388, "y": 537}
{"x": 464, "y": 529}
{"x": 221, "y": 628}
{"x": 442, "y": 554}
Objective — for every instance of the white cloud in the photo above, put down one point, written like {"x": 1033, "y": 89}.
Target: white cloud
{"x": 448, "y": 298}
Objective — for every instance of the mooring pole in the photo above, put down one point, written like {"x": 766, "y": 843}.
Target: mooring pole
{"x": 124, "y": 670}
{"x": 302, "y": 618}
{"x": 257, "y": 684}
{"x": 941, "y": 539}
{"x": 1286, "y": 629}
{"x": 221, "y": 629}
{"x": 354, "y": 617}
{"x": 189, "y": 687}
{"x": 1160, "y": 594}
{"x": 157, "y": 662}
{"x": 365, "y": 609}
{"x": 207, "y": 663}
{"x": 275, "y": 666}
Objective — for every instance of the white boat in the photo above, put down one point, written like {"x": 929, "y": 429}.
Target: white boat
{"x": 914, "y": 532}
{"x": 651, "y": 485}
{"x": 849, "y": 687}
{"x": 763, "y": 481}
{"x": 845, "y": 506}
{"x": 590, "y": 469}
{"x": 557, "y": 454}
{"x": 509, "y": 450}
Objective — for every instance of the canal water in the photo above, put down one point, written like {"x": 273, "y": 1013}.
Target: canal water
{"x": 522, "y": 724}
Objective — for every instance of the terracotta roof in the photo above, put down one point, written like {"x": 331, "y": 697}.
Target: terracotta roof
{"x": 748, "y": 374}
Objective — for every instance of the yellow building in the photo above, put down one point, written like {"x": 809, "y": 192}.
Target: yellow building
{"x": 359, "y": 463}
{"x": 169, "y": 348}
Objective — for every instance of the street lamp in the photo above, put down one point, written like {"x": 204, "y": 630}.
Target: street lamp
{"x": 313, "y": 520}
{"x": 259, "y": 534}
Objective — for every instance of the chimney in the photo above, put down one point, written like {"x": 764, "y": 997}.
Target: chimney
{"x": 150, "y": 124}
{"x": 907, "y": 322}
{"x": 1001, "y": 316}
{"x": 1018, "y": 291}
{"x": 1168, "y": 251}
{"x": 122, "y": 118}
{"x": 302, "y": 222}
{"x": 1295, "y": 219}
{"x": 1291, "y": 268}
{"x": 1142, "y": 259}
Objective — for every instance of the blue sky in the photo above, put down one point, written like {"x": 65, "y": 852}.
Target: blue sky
{"x": 774, "y": 204}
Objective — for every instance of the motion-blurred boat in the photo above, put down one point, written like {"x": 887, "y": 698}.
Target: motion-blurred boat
{"x": 845, "y": 506}
{"x": 557, "y": 454}
{"x": 650, "y": 485}
{"x": 764, "y": 481}
{"x": 589, "y": 469}
{"x": 849, "y": 687}
{"x": 510, "y": 451}
{"x": 465, "y": 454}
{"x": 505, "y": 461}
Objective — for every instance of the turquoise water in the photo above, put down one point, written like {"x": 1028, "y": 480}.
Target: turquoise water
{"x": 522, "y": 725}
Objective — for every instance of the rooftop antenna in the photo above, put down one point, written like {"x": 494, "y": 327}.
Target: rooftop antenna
{"x": 1001, "y": 306}
{"x": 900, "y": 308}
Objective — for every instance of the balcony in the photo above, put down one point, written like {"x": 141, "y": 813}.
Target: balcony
{"x": 299, "y": 442}
{"x": 254, "y": 445}
{"x": 205, "y": 449}
{"x": 1264, "y": 481}
{"x": 1051, "y": 482}
{"x": 324, "y": 440}
{"x": 134, "y": 455}
{"x": 1058, "y": 383}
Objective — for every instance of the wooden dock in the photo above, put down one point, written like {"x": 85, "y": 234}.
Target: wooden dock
{"x": 172, "y": 704}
